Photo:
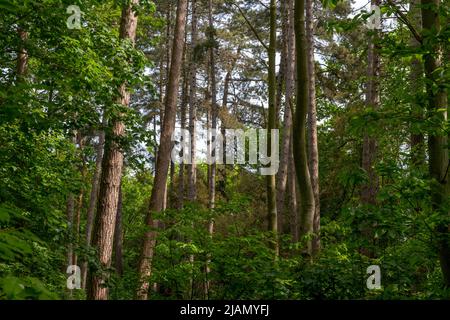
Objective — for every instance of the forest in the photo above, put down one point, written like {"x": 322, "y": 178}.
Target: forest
{"x": 224, "y": 150}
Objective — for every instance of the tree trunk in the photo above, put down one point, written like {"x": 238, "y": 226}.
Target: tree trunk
{"x": 312, "y": 125}
{"x": 214, "y": 114}
{"x": 164, "y": 152}
{"x": 416, "y": 85}
{"x": 307, "y": 205}
{"x": 292, "y": 196}
{"x": 437, "y": 139}
{"x": 370, "y": 189}
{"x": 22, "y": 58}
{"x": 93, "y": 200}
{"x": 118, "y": 237}
{"x": 70, "y": 209}
{"x": 112, "y": 164}
{"x": 289, "y": 66}
{"x": 192, "y": 168}
{"x": 272, "y": 124}
{"x": 183, "y": 109}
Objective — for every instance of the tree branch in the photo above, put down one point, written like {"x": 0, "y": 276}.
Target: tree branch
{"x": 251, "y": 27}
{"x": 402, "y": 17}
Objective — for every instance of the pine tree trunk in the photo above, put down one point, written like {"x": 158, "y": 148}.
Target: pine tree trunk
{"x": 164, "y": 151}
{"x": 112, "y": 164}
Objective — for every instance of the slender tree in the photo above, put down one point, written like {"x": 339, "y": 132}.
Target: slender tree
{"x": 306, "y": 205}
{"x": 164, "y": 151}
{"x": 93, "y": 201}
{"x": 192, "y": 168}
{"x": 369, "y": 153}
{"x": 272, "y": 124}
{"x": 112, "y": 164}
{"x": 313, "y": 148}
{"x": 416, "y": 84}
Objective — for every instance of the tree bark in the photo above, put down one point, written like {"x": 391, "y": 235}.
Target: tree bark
{"x": 313, "y": 146}
{"x": 93, "y": 200}
{"x": 163, "y": 160}
{"x": 307, "y": 205}
{"x": 22, "y": 58}
{"x": 214, "y": 115}
{"x": 118, "y": 237}
{"x": 289, "y": 66}
{"x": 183, "y": 110}
{"x": 192, "y": 168}
{"x": 292, "y": 195}
{"x": 112, "y": 164}
{"x": 272, "y": 124}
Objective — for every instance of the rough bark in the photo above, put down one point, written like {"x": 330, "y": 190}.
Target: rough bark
{"x": 112, "y": 164}
{"x": 163, "y": 158}
{"x": 306, "y": 205}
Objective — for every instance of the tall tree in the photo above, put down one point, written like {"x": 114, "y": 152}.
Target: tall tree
{"x": 313, "y": 146}
{"x": 307, "y": 204}
{"x": 192, "y": 168}
{"x": 112, "y": 164}
{"x": 369, "y": 153}
{"x": 288, "y": 52}
{"x": 214, "y": 115}
{"x": 437, "y": 139}
{"x": 164, "y": 151}
{"x": 272, "y": 124}
{"x": 93, "y": 201}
